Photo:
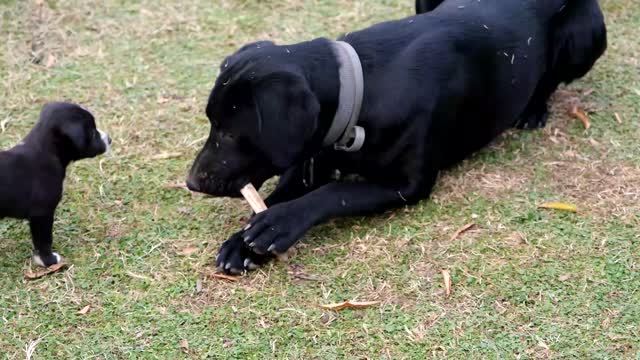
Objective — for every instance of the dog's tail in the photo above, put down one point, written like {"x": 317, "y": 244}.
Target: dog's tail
{"x": 423, "y": 6}
{"x": 578, "y": 38}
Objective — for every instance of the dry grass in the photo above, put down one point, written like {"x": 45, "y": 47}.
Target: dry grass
{"x": 527, "y": 283}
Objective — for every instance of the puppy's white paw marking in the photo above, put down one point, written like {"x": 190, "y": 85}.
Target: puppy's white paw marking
{"x": 105, "y": 139}
{"x": 38, "y": 261}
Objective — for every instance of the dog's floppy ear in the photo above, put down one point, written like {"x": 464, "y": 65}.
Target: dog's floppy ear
{"x": 287, "y": 112}
{"x": 74, "y": 133}
{"x": 256, "y": 44}
{"x": 229, "y": 60}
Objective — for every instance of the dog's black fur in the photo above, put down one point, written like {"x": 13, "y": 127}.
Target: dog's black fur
{"x": 32, "y": 173}
{"x": 438, "y": 87}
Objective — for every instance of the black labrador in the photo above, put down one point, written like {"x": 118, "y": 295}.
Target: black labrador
{"x": 435, "y": 88}
{"x": 32, "y": 173}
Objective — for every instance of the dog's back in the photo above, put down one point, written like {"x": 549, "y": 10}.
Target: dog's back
{"x": 14, "y": 170}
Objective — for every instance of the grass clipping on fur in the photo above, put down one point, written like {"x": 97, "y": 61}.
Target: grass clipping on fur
{"x": 253, "y": 198}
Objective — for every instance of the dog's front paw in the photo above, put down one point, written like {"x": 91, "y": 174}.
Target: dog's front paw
{"x": 275, "y": 230}
{"x": 46, "y": 260}
{"x": 235, "y": 257}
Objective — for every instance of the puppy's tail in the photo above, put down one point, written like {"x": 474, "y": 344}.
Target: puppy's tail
{"x": 578, "y": 38}
{"x": 423, "y": 6}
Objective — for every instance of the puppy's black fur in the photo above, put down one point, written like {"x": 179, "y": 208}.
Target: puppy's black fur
{"x": 438, "y": 87}
{"x": 32, "y": 173}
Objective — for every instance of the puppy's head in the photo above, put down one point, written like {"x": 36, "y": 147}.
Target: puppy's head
{"x": 262, "y": 114}
{"x": 73, "y": 131}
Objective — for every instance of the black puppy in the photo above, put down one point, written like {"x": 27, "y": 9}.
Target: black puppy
{"x": 32, "y": 173}
{"x": 396, "y": 104}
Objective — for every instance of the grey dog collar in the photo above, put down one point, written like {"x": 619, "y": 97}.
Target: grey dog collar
{"x": 344, "y": 134}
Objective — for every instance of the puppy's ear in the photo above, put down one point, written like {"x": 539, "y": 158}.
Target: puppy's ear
{"x": 287, "y": 112}
{"x": 74, "y": 133}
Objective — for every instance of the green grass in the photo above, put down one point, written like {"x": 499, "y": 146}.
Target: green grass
{"x": 527, "y": 283}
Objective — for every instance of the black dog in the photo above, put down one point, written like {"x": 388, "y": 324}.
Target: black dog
{"x": 32, "y": 173}
{"x": 437, "y": 87}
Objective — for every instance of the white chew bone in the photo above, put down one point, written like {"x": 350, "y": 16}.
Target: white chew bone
{"x": 253, "y": 198}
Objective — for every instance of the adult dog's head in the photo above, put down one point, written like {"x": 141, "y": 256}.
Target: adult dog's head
{"x": 262, "y": 114}
{"x": 71, "y": 130}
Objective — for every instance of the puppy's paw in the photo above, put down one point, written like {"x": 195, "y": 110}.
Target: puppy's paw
{"x": 275, "y": 230}
{"x": 46, "y": 260}
{"x": 535, "y": 120}
{"x": 235, "y": 257}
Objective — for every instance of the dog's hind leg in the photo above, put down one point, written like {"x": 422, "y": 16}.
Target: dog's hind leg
{"x": 41, "y": 233}
{"x": 423, "y": 6}
{"x": 578, "y": 38}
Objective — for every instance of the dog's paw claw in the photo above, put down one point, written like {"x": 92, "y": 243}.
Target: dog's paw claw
{"x": 536, "y": 120}
{"x": 235, "y": 257}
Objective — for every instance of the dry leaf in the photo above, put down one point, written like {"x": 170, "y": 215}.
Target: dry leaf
{"x": 462, "y": 230}
{"x": 188, "y": 251}
{"x": 198, "y": 286}
{"x": 178, "y": 185}
{"x": 50, "y": 270}
{"x": 184, "y": 345}
{"x": 564, "y": 277}
{"x": 447, "y": 282}
{"x": 224, "y": 277}
{"x": 298, "y": 272}
{"x": 349, "y": 304}
{"x": 165, "y": 156}
{"x": 618, "y": 118}
{"x": 582, "y": 116}
{"x": 559, "y": 206}
{"x": 51, "y": 60}
{"x": 84, "y": 310}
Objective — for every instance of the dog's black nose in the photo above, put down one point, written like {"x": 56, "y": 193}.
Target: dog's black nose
{"x": 192, "y": 185}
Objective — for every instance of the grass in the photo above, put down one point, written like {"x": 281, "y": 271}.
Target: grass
{"x": 527, "y": 283}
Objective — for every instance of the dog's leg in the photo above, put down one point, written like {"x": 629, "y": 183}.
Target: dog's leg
{"x": 536, "y": 113}
{"x": 235, "y": 256}
{"x": 278, "y": 228}
{"x": 578, "y": 39}
{"x": 41, "y": 233}
{"x": 300, "y": 180}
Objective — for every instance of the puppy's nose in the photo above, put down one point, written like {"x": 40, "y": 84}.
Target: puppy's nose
{"x": 192, "y": 185}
